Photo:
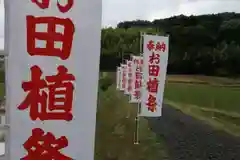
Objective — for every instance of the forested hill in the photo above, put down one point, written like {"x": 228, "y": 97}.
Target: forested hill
{"x": 206, "y": 44}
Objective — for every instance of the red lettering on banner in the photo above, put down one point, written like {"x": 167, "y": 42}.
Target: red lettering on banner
{"x": 39, "y": 101}
{"x": 51, "y": 37}
{"x": 138, "y": 84}
{"x": 154, "y": 70}
{"x": 138, "y": 75}
{"x": 137, "y": 94}
{"x": 161, "y": 46}
{"x": 154, "y": 58}
{"x": 151, "y": 103}
{"x": 62, "y": 8}
{"x": 42, "y": 146}
{"x": 151, "y": 45}
{"x": 152, "y": 85}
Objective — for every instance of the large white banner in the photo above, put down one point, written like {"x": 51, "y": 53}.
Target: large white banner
{"x": 137, "y": 64}
{"x": 53, "y": 70}
{"x": 155, "y": 57}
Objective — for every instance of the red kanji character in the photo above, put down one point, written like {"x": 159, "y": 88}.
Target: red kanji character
{"x": 139, "y": 68}
{"x": 59, "y": 85}
{"x": 141, "y": 61}
{"x": 152, "y": 103}
{"x": 137, "y": 94}
{"x": 160, "y": 47}
{"x": 65, "y": 8}
{"x": 138, "y": 75}
{"x": 51, "y": 37}
{"x": 138, "y": 84}
{"x": 152, "y": 85}
{"x": 153, "y": 70}
{"x": 154, "y": 58}
{"x": 136, "y": 61}
{"x": 47, "y": 147}
{"x": 150, "y": 45}
{"x": 45, "y": 4}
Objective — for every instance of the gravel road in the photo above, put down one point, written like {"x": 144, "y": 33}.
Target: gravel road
{"x": 190, "y": 139}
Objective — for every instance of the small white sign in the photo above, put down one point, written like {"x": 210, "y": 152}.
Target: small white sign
{"x": 137, "y": 64}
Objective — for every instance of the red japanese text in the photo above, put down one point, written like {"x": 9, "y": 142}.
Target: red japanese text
{"x": 45, "y": 146}
{"x": 51, "y": 37}
{"x": 46, "y": 96}
{"x": 151, "y": 103}
{"x": 159, "y": 46}
{"x": 62, "y": 8}
{"x": 152, "y": 85}
{"x": 138, "y": 78}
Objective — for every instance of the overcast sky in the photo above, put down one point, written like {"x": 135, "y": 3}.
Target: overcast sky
{"x": 115, "y": 11}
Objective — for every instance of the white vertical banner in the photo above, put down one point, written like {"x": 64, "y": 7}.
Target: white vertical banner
{"x": 155, "y": 60}
{"x": 137, "y": 64}
{"x": 129, "y": 81}
{"x": 53, "y": 70}
{"x": 123, "y": 77}
{"x": 126, "y": 86}
{"x": 118, "y": 78}
{"x": 126, "y": 83}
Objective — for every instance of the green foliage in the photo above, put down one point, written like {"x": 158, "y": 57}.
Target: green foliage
{"x": 106, "y": 80}
{"x": 206, "y": 44}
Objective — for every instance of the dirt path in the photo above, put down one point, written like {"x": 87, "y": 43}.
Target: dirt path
{"x": 189, "y": 139}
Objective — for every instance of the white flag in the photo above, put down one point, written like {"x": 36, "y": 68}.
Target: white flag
{"x": 155, "y": 60}
{"x": 137, "y": 64}
{"x": 118, "y": 77}
{"x": 123, "y": 77}
{"x": 129, "y": 83}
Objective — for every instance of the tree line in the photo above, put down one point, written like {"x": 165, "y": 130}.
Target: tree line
{"x": 205, "y": 44}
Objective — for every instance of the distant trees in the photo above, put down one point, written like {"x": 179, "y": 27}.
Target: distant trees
{"x": 206, "y": 44}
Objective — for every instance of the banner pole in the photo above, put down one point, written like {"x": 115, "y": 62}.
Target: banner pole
{"x": 137, "y": 119}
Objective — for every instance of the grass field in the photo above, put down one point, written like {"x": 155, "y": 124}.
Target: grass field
{"x": 115, "y": 131}
{"x": 213, "y": 99}
{"x": 200, "y": 79}
{"x": 223, "y": 98}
